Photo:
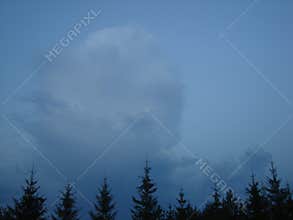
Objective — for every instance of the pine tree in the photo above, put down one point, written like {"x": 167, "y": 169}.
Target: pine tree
{"x": 1, "y": 213}
{"x": 191, "y": 212}
{"x": 31, "y": 206}
{"x": 66, "y": 210}
{"x": 256, "y": 201}
{"x": 276, "y": 194}
{"x": 242, "y": 215}
{"x": 170, "y": 213}
{"x": 181, "y": 209}
{"x": 146, "y": 205}
{"x": 230, "y": 206}
{"x": 213, "y": 209}
{"x": 7, "y": 214}
{"x": 216, "y": 205}
{"x": 105, "y": 207}
{"x": 289, "y": 203}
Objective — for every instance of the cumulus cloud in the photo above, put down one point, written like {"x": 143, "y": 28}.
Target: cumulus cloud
{"x": 91, "y": 103}
{"x": 102, "y": 87}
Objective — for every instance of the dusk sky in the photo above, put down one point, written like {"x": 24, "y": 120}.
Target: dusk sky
{"x": 167, "y": 81}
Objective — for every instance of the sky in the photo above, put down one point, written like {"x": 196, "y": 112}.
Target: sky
{"x": 166, "y": 81}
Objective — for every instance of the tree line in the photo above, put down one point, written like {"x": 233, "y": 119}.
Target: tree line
{"x": 268, "y": 201}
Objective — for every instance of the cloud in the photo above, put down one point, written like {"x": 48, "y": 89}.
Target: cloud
{"x": 94, "y": 98}
{"x": 92, "y": 101}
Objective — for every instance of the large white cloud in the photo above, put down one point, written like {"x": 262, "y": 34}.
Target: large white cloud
{"x": 91, "y": 94}
{"x": 87, "y": 99}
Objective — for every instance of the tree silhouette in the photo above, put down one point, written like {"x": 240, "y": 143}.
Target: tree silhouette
{"x": 269, "y": 202}
{"x": 256, "y": 202}
{"x": 146, "y": 205}
{"x": 181, "y": 209}
{"x": 170, "y": 213}
{"x": 230, "y": 206}
{"x": 104, "y": 207}
{"x": 31, "y": 206}
{"x": 214, "y": 208}
{"x": 289, "y": 203}
{"x": 191, "y": 212}
{"x": 6, "y": 214}
{"x": 1, "y": 213}
{"x": 66, "y": 210}
{"x": 276, "y": 194}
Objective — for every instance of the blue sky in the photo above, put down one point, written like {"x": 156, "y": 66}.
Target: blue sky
{"x": 222, "y": 97}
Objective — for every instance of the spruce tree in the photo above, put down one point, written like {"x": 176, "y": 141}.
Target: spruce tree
{"x": 146, "y": 204}
{"x": 191, "y": 212}
{"x": 170, "y": 213}
{"x": 216, "y": 205}
{"x": 242, "y": 215}
{"x": 66, "y": 210}
{"x": 289, "y": 203}
{"x": 31, "y": 206}
{"x": 104, "y": 207}
{"x": 1, "y": 213}
{"x": 181, "y": 209}
{"x": 230, "y": 205}
{"x": 276, "y": 194}
{"x": 7, "y": 214}
{"x": 256, "y": 202}
{"x": 213, "y": 209}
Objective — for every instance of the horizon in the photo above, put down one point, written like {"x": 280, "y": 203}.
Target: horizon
{"x": 91, "y": 89}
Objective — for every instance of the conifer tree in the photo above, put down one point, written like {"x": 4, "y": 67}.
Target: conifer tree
{"x": 289, "y": 203}
{"x": 146, "y": 205}
{"x": 1, "y": 214}
{"x": 31, "y": 206}
{"x": 181, "y": 209}
{"x": 170, "y": 213}
{"x": 230, "y": 205}
{"x": 7, "y": 214}
{"x": 191, "y": 212}
{"x": 216, "y": 205}
{"x": 66, "y": 210}
{"x": 276, "y": 194}
{"x": 242, "y": 215}
{"x": 256, "y": 201}
{"x": 104, "y": 207}
{"x": 214, "y": 208}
